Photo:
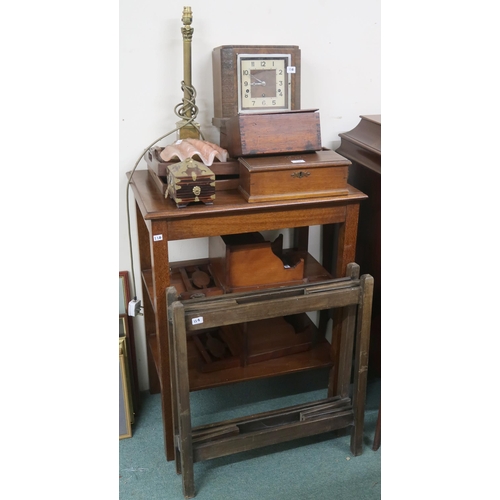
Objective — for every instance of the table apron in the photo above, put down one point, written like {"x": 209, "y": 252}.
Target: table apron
{"x": 198, "y": 227}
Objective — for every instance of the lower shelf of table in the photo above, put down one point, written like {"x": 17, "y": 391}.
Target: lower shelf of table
{"x": 317, "y": 357}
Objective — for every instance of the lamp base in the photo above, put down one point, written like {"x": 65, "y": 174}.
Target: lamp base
{"x": 188, "y": 131}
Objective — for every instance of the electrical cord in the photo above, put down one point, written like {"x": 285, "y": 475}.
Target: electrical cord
{"x": 179, "y": 110}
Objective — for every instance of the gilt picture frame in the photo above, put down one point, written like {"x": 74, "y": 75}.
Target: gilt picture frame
{"x": 126, "y": 329}
{"x": 123, "y": 325}
{"x": 125, "y": 410}
{"x": 124, "y": 292}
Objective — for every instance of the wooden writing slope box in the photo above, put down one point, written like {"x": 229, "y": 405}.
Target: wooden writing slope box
{"x": 270, "y": 133}
{"x": 309, "y": 175}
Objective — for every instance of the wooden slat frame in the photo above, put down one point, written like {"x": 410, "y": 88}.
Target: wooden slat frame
{"x": 223, "y": 438}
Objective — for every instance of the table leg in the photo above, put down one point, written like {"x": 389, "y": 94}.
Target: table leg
{"x": 346, "y": 342}
{"x": 149, "y": 314}
{"x": 361, "y": 363}
{"x": 301, "y": 238}
{"x": 161, "y": 280}
{"x": 346, "y": 253}
{"x": 181, "y": 388}
{"x": 347, "y": 236}
{"x": 171, "y": 298}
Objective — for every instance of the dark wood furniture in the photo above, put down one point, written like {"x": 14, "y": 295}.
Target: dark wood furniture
{"x": 160, "y": 221}
{"x": 362, "y": 146}
{"x": 352, "y": 294}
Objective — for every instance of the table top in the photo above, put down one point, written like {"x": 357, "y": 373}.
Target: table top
{"x": 154, "y": 205}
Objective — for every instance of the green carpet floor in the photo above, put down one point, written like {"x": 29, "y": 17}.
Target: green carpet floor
{"x": 315, "y": 468}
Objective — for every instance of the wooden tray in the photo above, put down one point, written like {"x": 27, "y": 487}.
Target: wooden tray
{"x": 183, "y": 277}
{"x": 226, "y": 173}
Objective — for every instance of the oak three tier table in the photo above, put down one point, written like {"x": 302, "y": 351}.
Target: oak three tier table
{"x": 160, "y": 221}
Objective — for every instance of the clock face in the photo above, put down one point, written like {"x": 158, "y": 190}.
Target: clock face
{"x": 264, "y": 82}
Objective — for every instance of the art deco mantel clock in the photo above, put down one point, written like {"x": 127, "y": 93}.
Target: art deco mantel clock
{"x": 255, "y": 79}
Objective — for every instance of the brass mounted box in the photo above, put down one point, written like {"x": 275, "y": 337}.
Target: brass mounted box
{"x": 190, "y": 181}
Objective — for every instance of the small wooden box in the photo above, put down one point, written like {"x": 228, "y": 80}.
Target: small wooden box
{"x": 310, "y": 175}
{"x": 270, "y": 133}
{"x": 190, "y": 181}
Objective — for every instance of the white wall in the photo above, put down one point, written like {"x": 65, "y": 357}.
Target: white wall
{"x": 340, "y": 50}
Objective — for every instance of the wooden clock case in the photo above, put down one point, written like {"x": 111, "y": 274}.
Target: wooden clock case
{"x": 225, "y": 76}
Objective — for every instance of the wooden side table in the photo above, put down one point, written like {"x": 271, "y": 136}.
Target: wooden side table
{"x": 160, "y": 221}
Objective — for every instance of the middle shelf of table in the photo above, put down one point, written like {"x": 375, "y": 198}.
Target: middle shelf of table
{"x": 249, "y": 350}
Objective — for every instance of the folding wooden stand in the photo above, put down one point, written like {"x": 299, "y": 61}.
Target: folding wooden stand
{"x": 352, "y": 294}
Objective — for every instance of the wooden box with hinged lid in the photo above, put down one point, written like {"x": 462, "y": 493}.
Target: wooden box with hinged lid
{"x": 190, "y": 181}
{"x": 308, "y": 175}
{"x": 271, "y": 133}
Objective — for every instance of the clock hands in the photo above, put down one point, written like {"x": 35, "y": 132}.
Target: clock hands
{"x": 258, "y": 82}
